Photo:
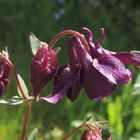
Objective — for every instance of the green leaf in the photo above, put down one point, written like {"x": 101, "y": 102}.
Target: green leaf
{"x": 111, "y": 113}
{"x": 132, "y": 138}
{"x": 56, "y": 133}
{"x": 5, "y": 52}
{"x": 56, "y": 50}
{"x": 35, "y": 43}
{"x": 24, "y": 87}
{"x": 119, "y": 127}
{"x": 76, "y": 123}
{"x": 15, "y": 100}
{"x": 118, "y": 107}
{"x": 33, "y": 135}
{"x": 136, "y": 88}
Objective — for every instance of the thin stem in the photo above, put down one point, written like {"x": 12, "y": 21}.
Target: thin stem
{"x": 75, "y": 130}
{"x": 15, "y": 74}
{"x": 26, "y": 120}
{"x": 68, "y": 32}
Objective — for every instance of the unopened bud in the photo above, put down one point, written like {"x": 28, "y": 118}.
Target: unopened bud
{"x": 43, "y": 68}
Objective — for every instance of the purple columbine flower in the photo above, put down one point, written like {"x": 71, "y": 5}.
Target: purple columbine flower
{"x": 97, "y": 70}
{"x": 43, "y": 68}
{"x": 4, "y": 77}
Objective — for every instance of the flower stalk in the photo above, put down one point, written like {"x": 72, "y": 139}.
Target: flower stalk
{"x": 68, "y": 32}
{"x": 76, "y": 129}
{"x": 28, "y": 102}
{"x": 26, "y": 120}
{"x": 73, "y": 132}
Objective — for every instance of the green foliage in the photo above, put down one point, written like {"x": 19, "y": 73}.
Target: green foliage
{"x": 34, "y": 43}
{"x": 15, "y": 100}
{"x": 23, "y": 86}
{"x": 45, "y": 18}
{"x": 33, "y": 135}
{"x": 114, "y": 110}
{"x": 136, "y": 88}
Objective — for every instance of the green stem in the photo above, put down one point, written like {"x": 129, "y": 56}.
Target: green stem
{"x": 17, "y": 81}
{"x": 73, "y": 132}
{"x": 76, "y": 129}
{"x": 26, "y": 120}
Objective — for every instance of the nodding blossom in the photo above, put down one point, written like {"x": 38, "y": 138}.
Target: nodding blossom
{"x": 97, "y": 70}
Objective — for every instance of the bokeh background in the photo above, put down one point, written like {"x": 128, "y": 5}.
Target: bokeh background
{"x": 46, "y": 18}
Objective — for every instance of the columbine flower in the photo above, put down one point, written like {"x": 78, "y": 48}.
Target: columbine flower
{"x": 102, "y": 71}
{"x": 97, "y": 70}
{"x": 43, "y": 68}
{"x": 4, "y": 76}
{"x": 67, "y": 80}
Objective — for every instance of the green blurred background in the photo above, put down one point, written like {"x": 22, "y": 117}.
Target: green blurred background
{"x": 46, "y": 18}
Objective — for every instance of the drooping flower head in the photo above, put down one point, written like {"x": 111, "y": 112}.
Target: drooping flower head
{"x": 97, "y": 70}
{"x": 43, "y": 68}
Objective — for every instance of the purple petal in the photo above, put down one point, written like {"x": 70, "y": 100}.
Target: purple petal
{"x": 96, "y": 83}
{"x": 89, "y": 34}
{"x": 4, "y": 77}
{"x": 53, "y": 99}
{"x": 73, "y": 58}
{"x": 107, "y": 64}
{"x": 132, "y": 57}
{"x": 112, "y": 68}
{"x": 83, "y": 55}
{"x": 74, "y": 91}
{"x": 2, "y": 88}
{"x": 90, "y": 42}
{"x": 64, "y": 80}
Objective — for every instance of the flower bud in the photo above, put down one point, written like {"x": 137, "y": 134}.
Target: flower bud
{"x": 4, "y": 77}
{"x": 43, "y": 68}
{"x": 91, "y": 135}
